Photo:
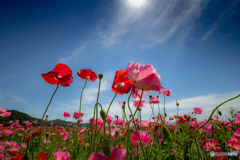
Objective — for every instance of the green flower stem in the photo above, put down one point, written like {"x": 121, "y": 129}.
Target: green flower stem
{"x": 194, "y": 133}
{"x": 95, "y": 109}
{"x": 152, "y": 110}
{"x": 134, "y": 121}
{"x": 128, "y": 139}
{"x": 164, "y": 106}
{"x": 112, "y": 100}
{"x": 44, "y": 115}
{"x": 110, "y": 139}
{"x": 81, "y": 100}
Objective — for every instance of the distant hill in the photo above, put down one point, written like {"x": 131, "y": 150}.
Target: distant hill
{"x": 17, "y": 115}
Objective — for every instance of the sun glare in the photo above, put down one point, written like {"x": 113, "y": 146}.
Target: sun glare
{"x": 136, "y": 3}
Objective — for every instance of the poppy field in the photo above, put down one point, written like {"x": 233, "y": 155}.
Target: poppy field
{"x": 122, "y": 137}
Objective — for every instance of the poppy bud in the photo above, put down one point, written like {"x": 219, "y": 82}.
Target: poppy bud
{"x": 103, "y": 114}
{"x": 166, "y": 133}
{"x": 63, "y": 124}
{"x": 220, "y": 113}
{"x": 106, "y": 148}
{"x": 165, "y": 114}
{"x": 46, "y": 116}
{"x": 100, "y": 76}
{"x": 139, "y": 109}
{"x": 47, "y": 134}
{"x": 177, "y": 104}
{"x": 180, "y": 130}
{"x": 150, "y": 96}
{"x": 191, "y": 126}
{"x": 156, "y": 127}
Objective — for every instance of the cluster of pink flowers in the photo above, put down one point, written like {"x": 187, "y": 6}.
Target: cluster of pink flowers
{"x": 4, "y": 113}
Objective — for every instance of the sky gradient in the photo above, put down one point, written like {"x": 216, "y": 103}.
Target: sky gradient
{"x": 193, "y": 45}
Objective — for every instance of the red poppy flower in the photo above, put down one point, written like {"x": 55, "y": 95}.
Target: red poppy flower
{"x": 87, "y": 74}
{"x": 61, "y": 74}
{"x": 121, "y": 80}
{"x": 185, "y": 116}
{"x": 37, "y": 133}
{"x": 175, "y": 116}
{"x": 18, "y": 156}
{"x": 42, "y": 156}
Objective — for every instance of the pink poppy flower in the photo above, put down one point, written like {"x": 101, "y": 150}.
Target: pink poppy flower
{"x": 144, "y": 76}
{"x": 143, "y": 135}
{"x": 45, "y": 141}
{"x": 138, "y": 92}
{"x": 234, "y": 141}
{"x": 154, "y": 100}
{"x": 76, "y": 115}
{"x": 167, "y": 92}
{"x": 144, "y": 123}
{"x": 60, "y": 155}
{"x": 118, "y": 122}
{"x": 66, "y": 114}
{"x": 208, "y": 128}
{"x": 116, "y": 154}
{"x": 238, "y": 111}
{"x": 171, "y": 118}
{"x": 211, "y": 145}
{"x": 237, "y": 119}
{"x": 197, "y": 110}
{"x": 7, "y": 132}
{"x": 99, "y": 122}
{"x": 109, "y": 118}
{"x": 4, "y": 113}
{"x": 215, "y": 116}
{"x": 120, "y": 103}
{"x": 79, "y": 121}
{"x": 136, "y": 102}
{"x": 14, "y": 149}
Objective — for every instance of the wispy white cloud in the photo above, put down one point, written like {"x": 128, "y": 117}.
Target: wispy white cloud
{"x": 206, "y": 102}
{"x": 13, "y": 97}
{"x": 208, "y": 34}
{"x": 152, "y": 24}
{"x": 72, "y": 55}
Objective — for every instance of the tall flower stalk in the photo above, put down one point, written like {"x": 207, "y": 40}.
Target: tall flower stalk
{"x": 200, "y": 156}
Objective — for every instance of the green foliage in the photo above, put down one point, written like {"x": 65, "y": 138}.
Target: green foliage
{"x": 17, "y": 115}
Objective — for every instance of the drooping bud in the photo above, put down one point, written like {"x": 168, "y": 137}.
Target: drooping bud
{"x": 139, "y": 109}
{"x": 177, "y": 104}
{"x": 165, "y": 114}
{"x": 106, "y": 148}
{"x": 156, "y": 127}
{"x": 103, "y": 114}
{"x": 220, "y": 113}
{"x": 166, "y": 133}
{"x": 150, "y": 96}
{"x": 100, "y": 76}
{"x": 46, "y": 116}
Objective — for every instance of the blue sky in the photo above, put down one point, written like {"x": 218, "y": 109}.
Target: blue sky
{"x": 194, "y": 46}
